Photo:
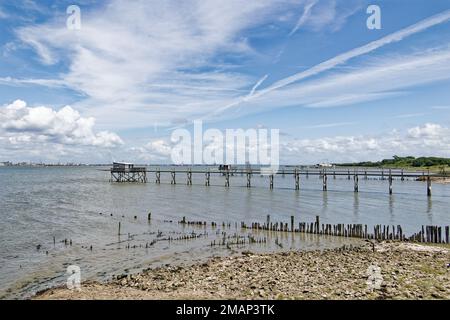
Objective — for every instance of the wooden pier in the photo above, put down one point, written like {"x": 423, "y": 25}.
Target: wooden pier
{"x": 138, "y": 174}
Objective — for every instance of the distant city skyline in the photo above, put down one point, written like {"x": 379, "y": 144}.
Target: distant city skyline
{"x": 117, "y": 86}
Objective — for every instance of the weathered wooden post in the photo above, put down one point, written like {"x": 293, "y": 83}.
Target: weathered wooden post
{"x": 158, "y": 176}
{"x": 249, "y": 179}
{"x": 119, "y": 229}
{"x": 173, "y": 177}
{"x": 390, "y": 183}
{"x": 403, "y": 176}
{"x": 297, "y": 179}
{"x": 356, "y": 179}
{"x": 292, "y": 223}
{"x": 382, "y": 174}
{"x": 271, "y": 181}
{"x": 227, "y": 179}
{"x": 365, "y": 175}
{"x": 149, "y": 217}
{"x": 429, "y": 186}
{"x": 334, "y": 175}
{"x": 268, "y": 221}
{"x": 447, "y": 229}
{"x": 439, "y": 237}
{"x": 348, "y": 174}
{"x": 317, "y": 224}
{"x": 207, "y": 178}
{"x": 324, "y": 187}
{"x": 189, "y": 177}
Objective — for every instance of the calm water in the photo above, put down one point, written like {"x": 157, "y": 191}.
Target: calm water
{"x": 37, "y": 204}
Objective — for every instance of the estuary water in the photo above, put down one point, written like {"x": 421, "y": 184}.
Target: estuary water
{"x": 40, "y": 207}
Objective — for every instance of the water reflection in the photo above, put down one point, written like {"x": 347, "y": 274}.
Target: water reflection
{"x": 356, "y": 204}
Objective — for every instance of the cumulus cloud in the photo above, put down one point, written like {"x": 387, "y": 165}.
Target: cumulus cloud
{"x": 429, "y": 139}
{"x": 20, "y": 124}
{"x": 426, "y": 140}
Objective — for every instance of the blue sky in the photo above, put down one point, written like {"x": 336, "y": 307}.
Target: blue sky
{"x": 311, "y": 68}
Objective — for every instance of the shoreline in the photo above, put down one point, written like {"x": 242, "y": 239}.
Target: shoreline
{"x": 408, "y": 271}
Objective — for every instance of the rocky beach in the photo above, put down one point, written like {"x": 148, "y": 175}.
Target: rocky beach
{"x": 386, "y": 270}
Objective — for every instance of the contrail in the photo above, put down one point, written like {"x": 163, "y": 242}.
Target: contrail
{"x": 304, "y": 16}
{"x": 260, "y": 81}
{"x": 342, "y": 58}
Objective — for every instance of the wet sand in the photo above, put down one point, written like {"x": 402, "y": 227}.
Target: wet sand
{"x": 408, "y": 271}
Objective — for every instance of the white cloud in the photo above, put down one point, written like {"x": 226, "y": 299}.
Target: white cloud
{"x": 148, "y": 60}
{"x": 343, "y": 58}
{"x": 21, "y": 125}
{"x": 428, "y": 131}
{"x": 429, "y": 139}
{"x": 426, "y": 140}
{"x": 382, "y": 78}
{"x": 160, "y": 147}
{"x": 305, "y": 15}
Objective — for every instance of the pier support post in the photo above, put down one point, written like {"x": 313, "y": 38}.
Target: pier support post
{"x": 189, "y": 178}
{"x": 173, "y": 178}
{"x": 390, "y": 183}
{"x": 249, "y": 179}
{"x": 429, "y": 186}
{"x": 348, "y": 172}
{"x": 324, "y": 187}
{"x": 403, "y": 177}
{"x": 207, "y": 178}
{"x": 292, "y": 223}
{"x": 158, "y": 176}
{"x": 271, "y": 181}
{"x": 297, "y": 179}
{"x": 356, "y": 179}
{"x": 227, "y": 179}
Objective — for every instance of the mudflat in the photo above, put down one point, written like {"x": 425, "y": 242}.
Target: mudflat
{"x": 386, "y": 270}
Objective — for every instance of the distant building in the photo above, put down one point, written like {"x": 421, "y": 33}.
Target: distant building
{"x": 122, "y": 166}
{"x": 324, "y": 165}
{"x": 127, "y": 172}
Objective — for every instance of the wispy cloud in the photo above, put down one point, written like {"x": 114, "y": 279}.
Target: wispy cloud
{"x": 304, "y": 17}
{"x": 260, "y": 81}
{"x": 330, "y": 125}
{"x": 440, "y": 107}
{"x": 409, "y": 115}
{"x": 342, "y": 58}
{"x": 152, "y": 60}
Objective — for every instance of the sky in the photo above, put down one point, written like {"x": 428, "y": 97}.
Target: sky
{"x": 117, "y": 87}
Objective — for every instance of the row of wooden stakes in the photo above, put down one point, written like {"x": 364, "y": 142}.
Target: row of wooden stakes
{"x": 428, "y": 234}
